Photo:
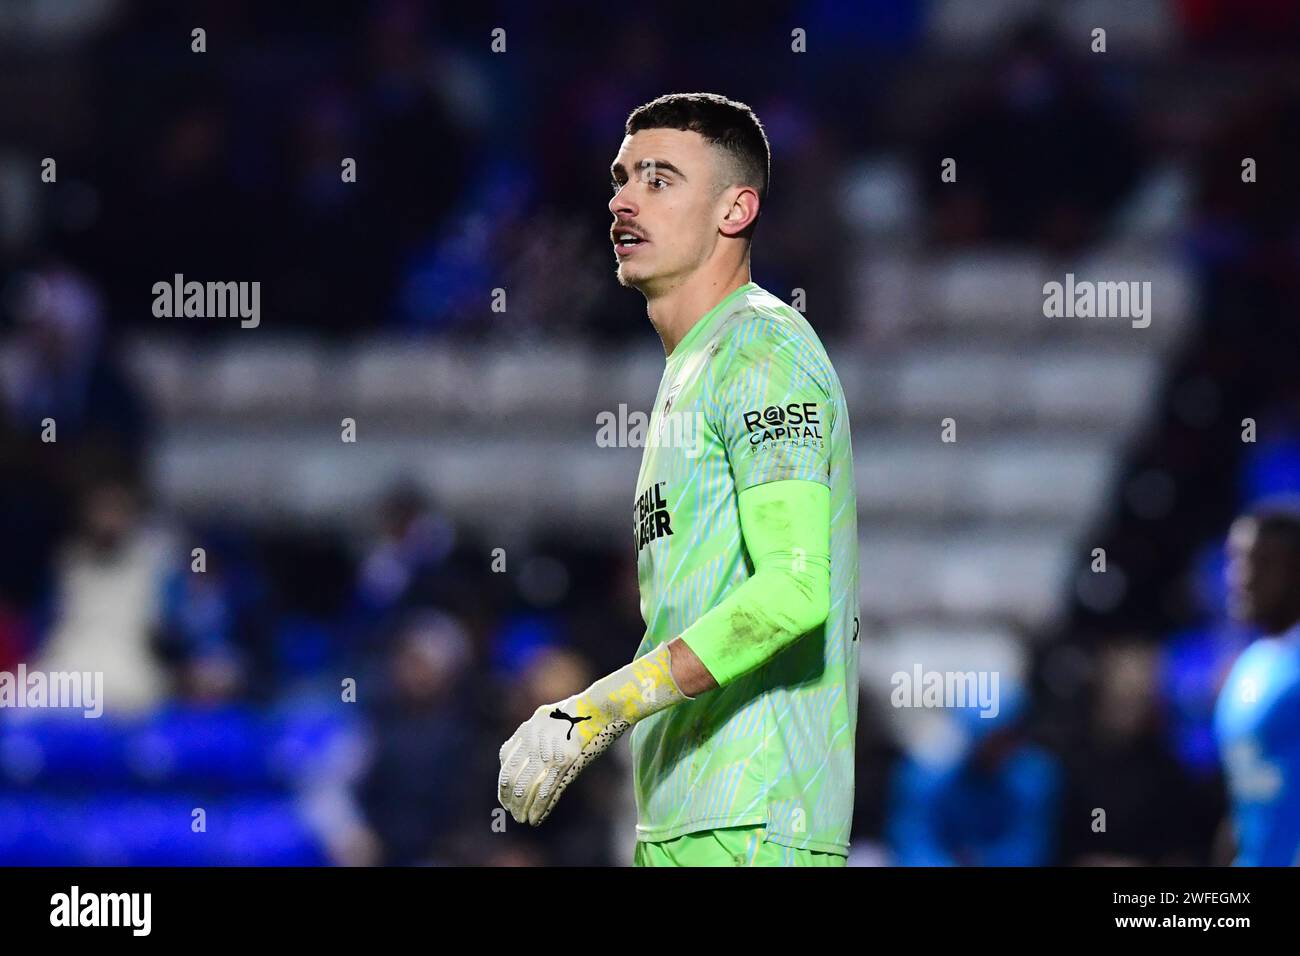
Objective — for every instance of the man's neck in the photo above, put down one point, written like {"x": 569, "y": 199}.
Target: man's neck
{"x": 674, "y": 312}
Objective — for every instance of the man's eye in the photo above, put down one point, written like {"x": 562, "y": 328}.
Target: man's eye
{"x": 661, "y": 183}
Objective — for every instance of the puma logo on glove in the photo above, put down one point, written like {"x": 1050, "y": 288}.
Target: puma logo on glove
{"x": 573, "y": 721}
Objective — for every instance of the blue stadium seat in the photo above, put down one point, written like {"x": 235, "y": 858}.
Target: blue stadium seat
{"x": 94, "y": 830}
{"x": 217, "y": 749}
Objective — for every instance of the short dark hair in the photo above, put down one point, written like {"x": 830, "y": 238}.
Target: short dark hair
{"x": 727, "y": 124}
{"x": 1279, "y": 516}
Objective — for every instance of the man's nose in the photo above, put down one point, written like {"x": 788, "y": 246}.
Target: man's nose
{"x": 621, "y": 203}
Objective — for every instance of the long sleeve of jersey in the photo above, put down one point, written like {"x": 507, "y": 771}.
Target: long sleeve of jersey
{"x": 786, "y": 528}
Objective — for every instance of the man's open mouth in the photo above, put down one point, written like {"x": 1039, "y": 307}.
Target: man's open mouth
{"x": 626, "y": 241}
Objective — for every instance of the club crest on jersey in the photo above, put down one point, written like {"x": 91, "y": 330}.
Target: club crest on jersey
{"x": 672, "y": 393}
{"x": 668, "y": 407}
{"x": 798, "y": 423}
{"x": 650, "y": 517}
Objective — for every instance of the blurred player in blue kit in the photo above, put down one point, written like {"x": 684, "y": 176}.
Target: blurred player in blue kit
{"x": 1257, "y": 719}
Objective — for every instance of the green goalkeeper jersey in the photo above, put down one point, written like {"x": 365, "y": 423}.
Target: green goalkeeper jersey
{"x": 748, "y": 396}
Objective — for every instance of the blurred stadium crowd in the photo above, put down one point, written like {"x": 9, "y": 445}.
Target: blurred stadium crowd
{"x": 226, "y": 689}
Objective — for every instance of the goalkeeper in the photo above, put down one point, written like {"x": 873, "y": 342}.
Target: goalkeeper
{"x": 742, "y": 698}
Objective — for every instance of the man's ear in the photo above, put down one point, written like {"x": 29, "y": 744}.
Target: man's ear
{"x": 741, "y": 212}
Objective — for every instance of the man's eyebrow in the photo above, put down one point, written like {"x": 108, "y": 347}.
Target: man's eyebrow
{"x": 619, "y": 171}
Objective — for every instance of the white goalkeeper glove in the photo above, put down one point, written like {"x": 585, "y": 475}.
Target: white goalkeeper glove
{"x": 553, "y": 746}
